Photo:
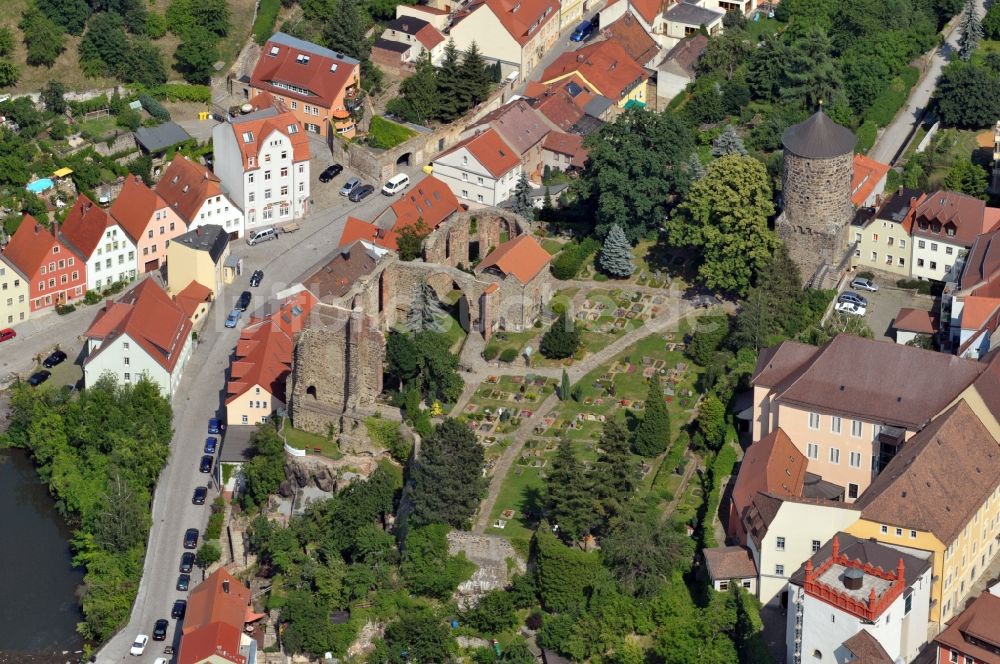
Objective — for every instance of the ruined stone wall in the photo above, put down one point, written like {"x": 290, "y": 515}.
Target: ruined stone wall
{"x": 516, "y": 306}
{"x": 817, "y": 211}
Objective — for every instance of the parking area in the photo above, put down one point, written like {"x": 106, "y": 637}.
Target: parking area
{"x": 886, "y": 303}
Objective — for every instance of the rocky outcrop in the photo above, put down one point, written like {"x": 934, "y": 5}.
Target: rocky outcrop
{"x": 496, "y": 563}
{"x": 327, "y": 475}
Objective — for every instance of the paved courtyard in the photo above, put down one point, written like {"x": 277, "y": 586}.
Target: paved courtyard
{"x": 886, "y": 303}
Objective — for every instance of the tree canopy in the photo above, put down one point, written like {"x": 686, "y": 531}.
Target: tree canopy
{"x": 447, "y": 477}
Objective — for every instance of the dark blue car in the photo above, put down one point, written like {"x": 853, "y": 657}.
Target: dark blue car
{"x": 210, "y": 444}
{"x": 213, "y": 425}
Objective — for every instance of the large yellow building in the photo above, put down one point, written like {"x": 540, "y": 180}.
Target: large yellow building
{"x": 198, "y": 255}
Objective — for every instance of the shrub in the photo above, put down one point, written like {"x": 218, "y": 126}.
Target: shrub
{"x": 63, "y": 309}
{"x": 568, "y": 262}
{"x": 156, "y": 25}
{"x": 92, "y": 297}
{"x": 182, "y": 92}
{"x": 89, "y": 105}
{"x": 263, "y": 25}
{"x": 154, "y": 108}
{"x": 213, "y": 530}
{"x": 892, "y": 98}
{"x": 384, "y": 135}
{"x": 866, "y": 275}
{"x": 508, "y": 355}
{"x": 867, "y": 133}
{"x": 490, "y": 352}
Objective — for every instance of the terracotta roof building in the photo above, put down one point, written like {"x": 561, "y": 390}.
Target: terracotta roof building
{"x": 335, "y": 278}
{"x": 519, "y": 269}
{"x": 868, "y": 180}
{"x": 218, "y": 610}
{"x": 54, "y": 272}
{"x": 606, "y": 68}
{"x": 429, "y": 200}
{"x": 318, "y": 85}
{"x": 514, "y": 33}
{"x": 356, "y": 229}
{"x": 974, "y": 635}
{"x": 563, "y": 151}
{"x": 481, "y": 169}
{"x": 521, "y": 127}
{"x": 731, "y": 564}
{"x": 909, "y": 323}
{"x": 678, "y": 68}
{"x": 945, "y": 225}
{"x": 109, "y": 252}
{"x": 143, "y": 332}
{"x": 149, "y": 222}
{"x": 523, "y": 258}
{"x": 195, "y": 194}
{"x": 634, "y": 39}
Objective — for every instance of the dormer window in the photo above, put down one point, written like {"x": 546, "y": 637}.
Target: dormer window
{"x": 248, "y": 137}
{"x": 293, "y": 129}
{"x": 950, "y": 230}
{"x": 274, "y": 51}
{"x": 333, "y": 67}
{"x": 175, "y": 179}
{"x": 185, "y": 189}
{"x": 302, "y": 59}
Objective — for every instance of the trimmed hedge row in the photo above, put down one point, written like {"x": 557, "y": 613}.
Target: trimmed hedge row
{"x": 568, "y": 262}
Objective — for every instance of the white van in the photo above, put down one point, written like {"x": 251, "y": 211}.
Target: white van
{"x": 396, "y": 184}
{"x": 263, "y": 235}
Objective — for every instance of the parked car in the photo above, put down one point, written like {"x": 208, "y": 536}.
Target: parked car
{"x": 180, "y": 608}
{"x": 862, "y": 283}
{"x": 256, "y": 278}
{"x": 854, "y": 298}
{"x": 349, "y": 186}
{"x": 359, "y": 194}
{"x": 139, "y": 645}
{"x": 582, "y": 32}
{"x": 851, "y": 308}
{"x": 210, "y": 444}
{"x": 233, "y": 318}
{"x": 330, "y": 172}
{"x": 57, "y": 357}
{"x": 39, "y": 378}
{"x": 160, "y": 629}
{"x": 7, "y": 333}
{"x": 191, "y": 538}
{"x": 199, "y": 495}
{"x": 183, "y": 582}
{"x": 187, "y": 562}
{"x": 244, "y": 300}
{"x": 206, "y": 464}
{"x": 214, "y": 425}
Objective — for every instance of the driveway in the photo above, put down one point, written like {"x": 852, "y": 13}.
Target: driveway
{"x": 886, "y": 303}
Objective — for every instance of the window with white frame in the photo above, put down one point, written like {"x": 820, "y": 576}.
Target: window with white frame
{"x": 834, "y": 455}
{"x": 812, "y": 450}
{"x": 835, "y": 424}
{"x": 814, "y": 421}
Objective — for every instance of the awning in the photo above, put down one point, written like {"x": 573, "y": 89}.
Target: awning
{"x": 635, "y": 103}
{"x": 63, "y": 172}
{"x": 251, "y": 616}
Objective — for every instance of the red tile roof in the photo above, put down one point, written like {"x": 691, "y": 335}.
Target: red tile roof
{"x": 30, "y": 246}
{"x": 193, "y": 296}
{"x": 977, "y": 626}
{"x": 632, "y": 37}
{"x": 85, "y": 225}
{"x": 489, "y": 150}
{"x": 523, "y": 19}
{"x": 647, "y": 9}
{"x": 135, "y": 207}
{"x": 258, "y": 129}
{"x": 216, "y": 613}
{"x": 150, "y": 318}
{"x": 291, "y": 315}
{"x": 948, "y": 210}
{"x": 991, "y": 219}
{"x": 867, "y": 174}
{"x": 605, "y": 65}
{"x": 356, "y": 229}
{"x": 185, "y": 186}
{"x": 215, "y": 640}
{"x": 729, "y": 562}
{"x": 323, "y": 76}
{"x": 915, "y": 320}
{"x": 977, "y": 311}
{"x": 429, "y": 36}
{"x": 569, "y": 144}
{"x": 772, "y": 465}
{"x": 430, "y": 200}
{"x": 264, "y": 358}
{"x": 555, "y": 103}
{"x": 521, "y": 126}
{"x": 522, "y": 257}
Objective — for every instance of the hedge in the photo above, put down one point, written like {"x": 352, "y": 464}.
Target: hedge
{"x": 267, "y": 15}
{"x": 508, "y": 355}
{"x": 154, "y": 108}
{"x": 182, "y": 92}
{"x": 568, "y": 262}
{"x": 867, "y": 133}
{"x": 89, "y": 105}
{"x": 490, "y": 352}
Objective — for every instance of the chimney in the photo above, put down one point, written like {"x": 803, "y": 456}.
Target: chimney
{"x": 580, "y": 57}
{"x": 225, "y": 586}
{"x": 853, "y": 578}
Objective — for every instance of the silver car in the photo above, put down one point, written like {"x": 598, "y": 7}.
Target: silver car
{"x": 861, "y": 283}
{"x": 349, "y": 186}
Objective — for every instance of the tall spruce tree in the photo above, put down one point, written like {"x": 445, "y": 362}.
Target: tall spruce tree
{"x": 696, "y": 169}
{"x": 426, "y": 312}
{"x": 522, "y": 197}
{"x": 972, "y": 31}
{"x": 449, "y": 81}
{"x": 653, "y": 434}
{"x": 567, "y": 495}
{"x": 616, "y": 254}
{"x": 564, "y": 387}
{"x": 345, "y": 31}
{"x": 474, "y": 76}
{"x": 561, "y": 340}
{"x": 728, "y": 142}
{"x": 418, "y": 101}
{"x": 810, "y": 74}
{"x": 616, "y": 474}
{"x": 447, "y": 478}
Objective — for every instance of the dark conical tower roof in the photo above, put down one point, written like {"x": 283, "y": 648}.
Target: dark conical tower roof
{"x": 819, "y": 137}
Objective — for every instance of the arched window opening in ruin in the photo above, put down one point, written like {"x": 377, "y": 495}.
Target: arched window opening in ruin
{"x": 311, "y": 390}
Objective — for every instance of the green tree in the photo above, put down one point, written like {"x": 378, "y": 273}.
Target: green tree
{"x": 473, "y": 75}
{"x": 196, "y": 56}
{"x": 522, "y": 198}
{"x": 410, "y": 240}
{"x": 156, "y": 25}
{"x": 567, "y": 495}
{"x": 492, "y": 614}
{"x": 125, "y": 518}
{"x": 70, "y": 14}
{"x": 616, "y": 254}
{"x": 450, "y": 89}
{"x": 653, "y": 435}
{"x": 642, "y": 554}
{"x": 402, "y": 357}
{"x": 991, "y": 22}
{"x": 810, "y": 73}
{"x": 967, "y": 96}
{"x": 764, "y": 68}
{"x": 9, "y": 73}
{"x": 104, "y": 47}
{"x": 725, "y": 215}
{"x": 635, "y": 163}
{"x": 561, "y": 340}
{"x": 616, "y": 473}
{"x": 208, "y": 554}
{"x": 695, "y": 169}
{"x": 420, "y": 634}
{"x": 144, "y": 64}
{"x": 265, "y": 471}
{"x": 563, "y": 574}
{"x": 971, "y": 29}
{"x": 345, "y": 29}
{"x": 418, "y": 101}
{"x": 725, "y": 53}
{"x": 427, "y": 568}
{"x": 969, "y": 178}
{"x": 53, "y": 97}
{"x": 564, "y": 387}
{"x": 447, "y": 478}
{"x": 712, "y": 421}
{"x": 425, "y": 312}
{"x": 6, "y": 42}
{"x": 43, "y": 37}
{"x": 728, "y": 142}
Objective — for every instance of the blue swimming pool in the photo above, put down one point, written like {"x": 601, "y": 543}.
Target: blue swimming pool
{"x": 38, "y": 186}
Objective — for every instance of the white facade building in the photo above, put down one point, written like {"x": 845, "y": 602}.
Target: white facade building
{"x": 97, "y": 238}
{"x": 262, "y": 162}
{"x": 482, "y": 170}
{"x": 195, "y": 193}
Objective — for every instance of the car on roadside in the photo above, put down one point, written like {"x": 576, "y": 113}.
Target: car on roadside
{"x": 191, "y": 538}
{"x": 349, "y": 186}
{"x": 256, "y": 278}
{"x": 851, "y": 309}
{"x": 7, "y": 333}
{"x": 183, "y": 582}
{"x": 200, "y": 494}
{"x": 160, "y": 629}
{"x": 862, "y": 283}
{"x": 359, "y": 194}
{"x": 179, "y": 609}
{"x": 330, "y": 172}
{"x": 39, "y": 378}
{"x": 211, "y": 443}
{"x": 233, "y": 318}
{"x": 244, "y": 300}
{"x": 187, "y": 562}
{"x": 206, "y": 464}
{"x": 139, "y": 645}
{"x": 57, "y": 357}
{"x": 853, "y": 298}
{"x": 214, "y": 425}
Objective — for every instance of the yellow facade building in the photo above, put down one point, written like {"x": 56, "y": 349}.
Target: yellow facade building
{"x": 197, "y": 256}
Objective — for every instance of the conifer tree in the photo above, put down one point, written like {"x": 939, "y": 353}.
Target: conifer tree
{"x": 728, "y": 142}
{"x": 972, "y": 31}
{"x": 696, "y": 170}
{"x": 522, "y": 198}
{"x": 474, "y": 76}
{"x": 567, "y": 495}
{"x": 561, "y": 340}
{"x": 425, "y": 310}
{"x": 616, "y": 254}
{"x": 564, "y": 387}
{"x": 450, "y": 89}
{"x": 810, "y": 73}
{"x": 616, "y": 473}
{"x": 653, "y": 435}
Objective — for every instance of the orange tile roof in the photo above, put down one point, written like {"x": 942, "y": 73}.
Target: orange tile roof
{"x": 915, "y": 320}
{"x": 30, "y": 246}
{"x": 647, "y": 9}
{"x": 523, "y": 19}
{"x": 85, "y": 225}
{"x": 213, "y": 624}
{"x": 135, "y": 207}
{"x": 185, "y": 186}
{"x": 867, "y": 174}
{"x": 522, "y": 257}
{"x": 150, "y": 318}
{"x": 772, "y": 465}
{"x": 991, "y": 219}
{"x": 193, "y": 296}
{"x": 429, "y": 36}
{"x": 258, "y": 129}
{"x": 489, "y": 150}
{"x": 325, "y": 77}
{"x": 214, "y": 640}
{"x": 555, "y": 103}
{"x": 569, "y": 144}
{"x": 430, "y": 200}
{"x": 356, "y": 229}
{"x": 264, "y": 358}
{"x": 959, "y": 212}
{"x": 633, "y": 38}
{"x": 977, "y": 310}
{"x": 605, "y": 65}
{"x": 292, "y": 313}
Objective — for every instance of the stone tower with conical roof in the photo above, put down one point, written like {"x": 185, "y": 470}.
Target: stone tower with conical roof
{"x": 819, "y": 157}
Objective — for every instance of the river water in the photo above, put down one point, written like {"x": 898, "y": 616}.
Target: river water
{"x": 38, "y": 606}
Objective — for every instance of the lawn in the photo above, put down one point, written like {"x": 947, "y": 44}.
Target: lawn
{"x": 383, "y": 134}
{"x": 304, "y": 440}
{"x": 552, "y": 246}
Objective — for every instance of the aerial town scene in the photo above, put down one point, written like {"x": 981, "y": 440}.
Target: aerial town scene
{"x": 500, "y": 331}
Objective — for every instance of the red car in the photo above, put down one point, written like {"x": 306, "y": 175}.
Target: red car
{"x": 7, "y": 333}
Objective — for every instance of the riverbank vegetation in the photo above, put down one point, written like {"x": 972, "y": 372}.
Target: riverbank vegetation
{"x": 100, "y": 455}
